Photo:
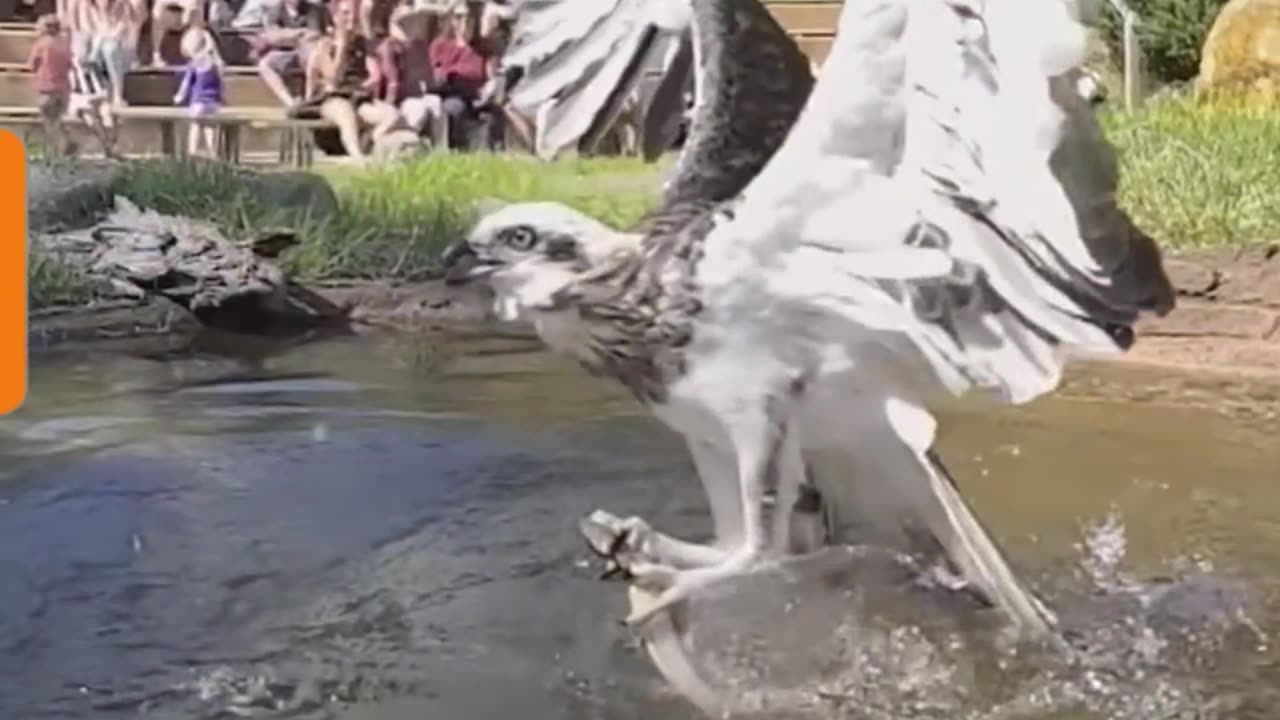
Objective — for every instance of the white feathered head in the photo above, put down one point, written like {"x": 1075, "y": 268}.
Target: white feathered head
{"x": 527, "y": 252}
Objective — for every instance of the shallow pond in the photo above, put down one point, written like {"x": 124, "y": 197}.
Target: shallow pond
{"x": 377, "y": 528}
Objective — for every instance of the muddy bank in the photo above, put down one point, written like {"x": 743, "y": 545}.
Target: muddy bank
{"x": 1227, "y": 321}
{"x": 1228, "y": 314}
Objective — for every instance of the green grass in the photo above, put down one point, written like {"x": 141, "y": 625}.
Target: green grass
{"x": 1199, "y": 175}
{"x": 394, "y": 220}
{"x": 51, "y": 281}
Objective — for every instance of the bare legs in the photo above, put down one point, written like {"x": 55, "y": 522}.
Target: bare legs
{"x": 340, "y": 112}
{"x": 267, "y": 70}
{"x": 202, "y": 139}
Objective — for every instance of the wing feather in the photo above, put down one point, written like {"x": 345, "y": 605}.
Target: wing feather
{"x": 952, "y": 125}
{"x": 754, "y": 80}
{"x": 579, "y": 59}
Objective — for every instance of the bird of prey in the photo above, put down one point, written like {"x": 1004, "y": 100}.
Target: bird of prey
{"x": 937, "y": 215}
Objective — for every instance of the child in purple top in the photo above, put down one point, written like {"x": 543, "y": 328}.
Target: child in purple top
{"x": 201, "y": 90}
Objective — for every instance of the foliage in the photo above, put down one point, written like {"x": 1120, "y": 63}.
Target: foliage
{"x": 1171, "y": 34}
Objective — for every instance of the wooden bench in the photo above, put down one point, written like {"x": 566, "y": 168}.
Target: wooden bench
{"x": 297, "y": 144}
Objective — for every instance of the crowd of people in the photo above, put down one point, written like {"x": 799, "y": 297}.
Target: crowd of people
{"x": 370, "y": 67}
{"x": 373, "y": 66}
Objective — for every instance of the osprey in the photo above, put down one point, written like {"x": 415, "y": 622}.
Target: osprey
{"x": 937, "y": 215}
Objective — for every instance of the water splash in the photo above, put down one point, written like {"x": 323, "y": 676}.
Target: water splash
{"x": 882, "y": 648}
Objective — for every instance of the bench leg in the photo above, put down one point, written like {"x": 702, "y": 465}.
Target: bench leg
{"x": 168, "y": 139}
{"x": 284, "y": 153}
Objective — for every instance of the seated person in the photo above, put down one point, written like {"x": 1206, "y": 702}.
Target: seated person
{"x": 402, "y": 79}
{"x": 290, "y": 31}
{"x": 173, "y": 16}
{"x": 459, "y": 71}
{"x": 258, "y": 14}
{"x": 338, "y": 85}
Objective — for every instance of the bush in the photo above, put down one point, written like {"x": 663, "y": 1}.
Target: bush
{"x": 1197, "y": 174}
{"x": 1171, "y": 34}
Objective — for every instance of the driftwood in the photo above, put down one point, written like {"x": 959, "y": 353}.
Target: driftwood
{"x": 141, "y": 254}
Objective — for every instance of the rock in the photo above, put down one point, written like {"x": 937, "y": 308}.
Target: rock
{"x": 145, "y": 254}
{"x": 299, "y": 195}
{"x": 1242, "y": 51}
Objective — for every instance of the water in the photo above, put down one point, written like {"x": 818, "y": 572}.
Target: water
{"x": 379, "y": 529}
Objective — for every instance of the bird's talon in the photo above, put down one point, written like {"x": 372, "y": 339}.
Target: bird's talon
{"x": 648, "y": 574}
{"x": 614, "y": 570}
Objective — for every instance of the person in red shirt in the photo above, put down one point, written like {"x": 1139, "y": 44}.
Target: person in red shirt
{"x": 401, "y": 77}
{"x": 459, "y": 69}
{"x": 50, "y": 63}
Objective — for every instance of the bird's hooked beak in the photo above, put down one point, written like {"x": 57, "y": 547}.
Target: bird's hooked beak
{"x": 462, "y": 265}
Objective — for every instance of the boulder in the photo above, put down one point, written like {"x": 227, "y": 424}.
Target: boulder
{"x": 1241, "y": 53}
{"x": 142, "y": 255}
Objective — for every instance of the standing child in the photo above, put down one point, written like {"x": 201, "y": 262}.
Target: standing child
{"x": 50, "y": 63}
{"x": 201, "y": 89}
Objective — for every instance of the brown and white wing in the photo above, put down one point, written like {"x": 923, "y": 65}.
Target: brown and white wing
{"x": 946, "y": 182}
{"x": 580, "y": 60}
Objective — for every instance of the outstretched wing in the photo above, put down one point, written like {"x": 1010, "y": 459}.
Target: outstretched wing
{"x": 946, "y": 182}
{"x": 582, "y": 58}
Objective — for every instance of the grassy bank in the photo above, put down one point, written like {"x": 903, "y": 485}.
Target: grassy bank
{"x": 1199, "y": 176}
{"x": 394, "y": 220}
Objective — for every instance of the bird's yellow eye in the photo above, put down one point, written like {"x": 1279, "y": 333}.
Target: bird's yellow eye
{"x": 521, "y": 237}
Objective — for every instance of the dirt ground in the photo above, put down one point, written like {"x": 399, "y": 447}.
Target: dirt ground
{"x": 1228, "y": 314}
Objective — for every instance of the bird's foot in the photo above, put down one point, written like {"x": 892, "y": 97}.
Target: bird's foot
{"x": 679, "y": 585}
{"x": 624, "y": 542}
{"x": 620, "y": 541}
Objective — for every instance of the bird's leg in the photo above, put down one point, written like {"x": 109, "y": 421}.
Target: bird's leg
{"x": 790, "y": 474}
{"x": 624, "y": 541}
{"x": 759, "y": 434}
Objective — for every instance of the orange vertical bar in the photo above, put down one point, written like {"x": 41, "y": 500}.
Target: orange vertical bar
{"x": 13, "y": 272}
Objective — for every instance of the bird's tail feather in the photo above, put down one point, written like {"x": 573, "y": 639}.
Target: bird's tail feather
{"x": 888, "y": 487}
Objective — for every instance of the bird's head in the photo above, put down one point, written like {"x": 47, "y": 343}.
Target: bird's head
{"x": 527, "y": 252}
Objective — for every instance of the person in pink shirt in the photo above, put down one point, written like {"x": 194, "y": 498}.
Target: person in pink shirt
{"x": 50, "y": 64}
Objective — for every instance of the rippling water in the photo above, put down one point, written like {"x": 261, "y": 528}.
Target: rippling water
{"x": 381, "y": 529}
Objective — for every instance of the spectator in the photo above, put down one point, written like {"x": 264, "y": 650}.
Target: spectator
{"x": 458, "y": 67}
{"x": 495, "y": 33}
{"x": 170, "y": 16}
{"x": 290, "y": 31}
{"x": 402, "y": 78}
{"x": 258, "y": 14}
{"x": 73, "y": 15}
{"x": 201, "y": 90}
{"x": 338, "y": 81}
{"x": 115, "y": 30}
{"x": 50, "y": 64}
